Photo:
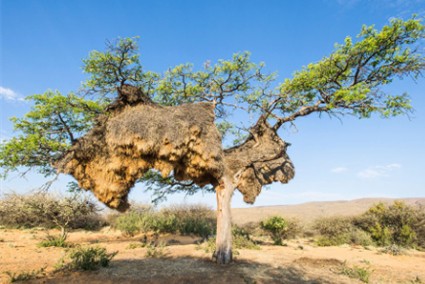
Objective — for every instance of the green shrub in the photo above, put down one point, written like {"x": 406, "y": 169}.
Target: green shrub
{"x": 129, "y": 223}
{"x": 241, "y": 240}
{"x": 280, "y": 229}
{"x": 164, "y": 223}
{"x": 187, "y": 220}
{"x": 136, "y": 245}
{"x": 197, "y": 220}
{"x": 155, "y": 250}
{"x": 355, "y": 272}
{"x": 51, "y": 241}
{"x": 89, "y": 258}
{"x": 397, "y": 223}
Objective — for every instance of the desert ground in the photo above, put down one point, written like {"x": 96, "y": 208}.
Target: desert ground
{"x": 184, "y": 261}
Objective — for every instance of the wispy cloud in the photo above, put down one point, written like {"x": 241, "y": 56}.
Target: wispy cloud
{"x": 339, "y": 170}
{"x": 378, "y": 171}
{"x": 9, "y": 94}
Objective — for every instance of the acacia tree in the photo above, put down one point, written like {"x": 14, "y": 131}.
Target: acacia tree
{"x": 95, "y": 139}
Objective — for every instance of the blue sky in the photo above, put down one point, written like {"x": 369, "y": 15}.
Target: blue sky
{"x": 43, "y": 43}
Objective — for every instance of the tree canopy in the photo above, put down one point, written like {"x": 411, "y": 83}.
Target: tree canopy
{"x": 349, "y": 81}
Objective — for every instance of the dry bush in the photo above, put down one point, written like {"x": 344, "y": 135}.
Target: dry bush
{"x": 49, "y": 211}
{"x": 198, "y": 220}
{"x": 335, "y": 231}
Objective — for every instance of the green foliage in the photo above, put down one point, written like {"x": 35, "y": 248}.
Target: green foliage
{"x": 89, "y": 258}
{"x": 136, "y": 245}
{"x": 25, "y": 276}
{"x": 155, "y": 250}
{"x": 349, "y": 81}
{"x": 54, "y": 122}
{"x": 241, "y": 239}
{"x": 118, "y": 65}
{"x": 397, "y": 223}
{"x": 130, "y": 223}
{"x": 48, "y": 211}
{"x": 280, "y": 229}
{"x": 355, "y": 272}
{"x": 384, "y": 225}
{"x": 197, "y": 220}
{"x": 51, "y": 241}
{"x": 194, "y": 220}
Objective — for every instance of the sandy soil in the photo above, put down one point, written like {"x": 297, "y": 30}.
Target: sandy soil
{"x": 299, "y": 262}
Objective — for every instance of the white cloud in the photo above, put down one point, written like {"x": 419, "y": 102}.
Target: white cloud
{"x": 9, "y": 94}
{"x": 378, "y": 171}
{"x": 339, "y": 170}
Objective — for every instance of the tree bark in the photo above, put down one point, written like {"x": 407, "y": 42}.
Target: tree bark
{"x": 224, "y": 192}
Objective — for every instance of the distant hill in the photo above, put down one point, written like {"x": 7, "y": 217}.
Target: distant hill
{"x": 307, "y": 212}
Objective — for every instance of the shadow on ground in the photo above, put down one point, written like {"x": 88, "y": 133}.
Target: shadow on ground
{"x": 185, "y": 270}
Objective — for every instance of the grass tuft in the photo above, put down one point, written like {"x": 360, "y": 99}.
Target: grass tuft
{"x": 26, "y": 275}
{"x": 86, "y": 258}
{"x": 355, "y": 272}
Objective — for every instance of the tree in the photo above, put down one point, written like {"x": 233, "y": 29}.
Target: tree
{"x": 139, "y": 120}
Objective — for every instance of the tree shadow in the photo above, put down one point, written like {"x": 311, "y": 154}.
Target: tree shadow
{"x": 187, "y": 269}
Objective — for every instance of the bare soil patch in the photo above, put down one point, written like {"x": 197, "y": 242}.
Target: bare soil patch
{"x": 298, "y": 262}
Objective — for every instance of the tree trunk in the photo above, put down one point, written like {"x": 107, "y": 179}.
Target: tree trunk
{"x": 224, "y": 192}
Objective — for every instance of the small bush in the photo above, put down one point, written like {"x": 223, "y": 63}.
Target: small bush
{"x": 393, "y": 250}
{"x": 197, "y": 220}
{"x": 355, "y": 272}
{"x": 136, "y": 245}
{"x": 129, "y": 223}
{"x": 89, "y": 258}
{"x": 241, "y": 240}
{"x": 155, "y": 251}
{"x": 25, "y": 276}
{"x": 280, "y": 229}
{"x": 51, "y": 241}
